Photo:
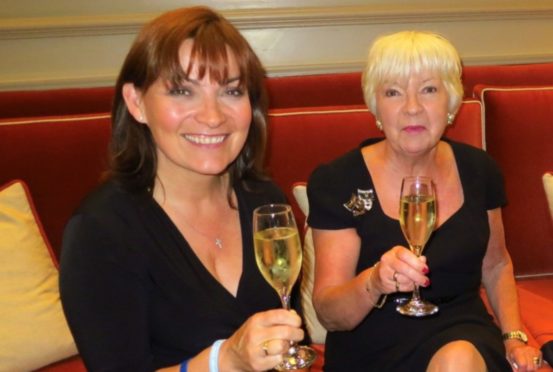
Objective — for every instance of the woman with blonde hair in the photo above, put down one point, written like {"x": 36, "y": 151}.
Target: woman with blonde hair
{"x": 363, "y": 266}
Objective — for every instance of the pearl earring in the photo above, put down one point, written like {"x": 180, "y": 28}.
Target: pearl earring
{"x": 450, "y": 118}
{"x": 379, "y": 124}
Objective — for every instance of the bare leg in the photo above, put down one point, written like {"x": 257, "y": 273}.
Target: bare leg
{"x": 457, "y": 356}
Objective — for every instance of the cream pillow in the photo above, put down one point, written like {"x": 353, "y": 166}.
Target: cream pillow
{"x": 548, "y": 186}
{"x": 33, "y": 330}
{"x": 315, "y": 329}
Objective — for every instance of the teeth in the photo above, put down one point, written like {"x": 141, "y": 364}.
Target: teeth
{"x": 205, "y": 140}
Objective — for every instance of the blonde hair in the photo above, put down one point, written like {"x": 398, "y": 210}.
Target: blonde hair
{"x": 398, "y": 55}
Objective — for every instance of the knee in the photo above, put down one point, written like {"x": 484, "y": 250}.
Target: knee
{"x": 457, "y": 356}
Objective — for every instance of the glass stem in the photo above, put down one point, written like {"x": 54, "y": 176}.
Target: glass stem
{"x": 416, "y": 294}
{"x": 285, "y": 300}
{"x": 417, "y": 250}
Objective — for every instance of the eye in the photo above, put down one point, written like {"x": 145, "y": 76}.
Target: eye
{"x": 391, "y": 92}
{"x": 180, "y": 91}
{"x": 430, "y": 89}
{"x": 234, "y": 91}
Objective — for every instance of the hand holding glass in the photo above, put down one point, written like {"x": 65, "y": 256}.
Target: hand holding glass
{"x": 417, "y": 217}
{"x": 278, "y": 254}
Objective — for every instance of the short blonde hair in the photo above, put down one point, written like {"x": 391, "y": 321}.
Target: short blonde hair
{"x": 398, "y": 55}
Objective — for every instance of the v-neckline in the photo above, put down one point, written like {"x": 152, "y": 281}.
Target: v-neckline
{"x": 184, "y": 244}
{"x": 390, "y": 218}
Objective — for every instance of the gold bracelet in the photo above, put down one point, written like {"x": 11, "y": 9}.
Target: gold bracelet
{"x": 382, "y": 300}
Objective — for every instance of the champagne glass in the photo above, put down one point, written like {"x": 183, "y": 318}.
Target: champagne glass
{"x": 278, "y": 254}
{"x": 417, "y": 217}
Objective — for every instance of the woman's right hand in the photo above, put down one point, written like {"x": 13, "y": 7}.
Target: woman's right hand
{"x": 259, "y": 343}
{"x": 399, "y": 269}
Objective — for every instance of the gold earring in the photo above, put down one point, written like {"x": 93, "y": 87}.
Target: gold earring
{"x": 379, "y": 124}
{"x": 450, "y": 118}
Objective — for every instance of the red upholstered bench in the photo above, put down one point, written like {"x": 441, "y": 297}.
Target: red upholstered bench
{"x": 62, "y": 158}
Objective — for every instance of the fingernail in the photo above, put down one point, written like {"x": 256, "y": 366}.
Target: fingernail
{"x": 427, "y": 283}
{"x": 425, "y": 270}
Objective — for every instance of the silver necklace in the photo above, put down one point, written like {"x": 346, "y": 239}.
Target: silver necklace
{"x": 218, "y": 241}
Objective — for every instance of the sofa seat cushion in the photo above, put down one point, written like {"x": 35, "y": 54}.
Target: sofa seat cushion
{"x": 33, "y": 330}
{"x": 535, "y": 312}
{"x": 72, "y": 364}
{"x": 541, "y": 286}
{"x": 519, "y": 129}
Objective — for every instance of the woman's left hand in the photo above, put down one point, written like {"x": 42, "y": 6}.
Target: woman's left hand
{"x": 523, "y": 357}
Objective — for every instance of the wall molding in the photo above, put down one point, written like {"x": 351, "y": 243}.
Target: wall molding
{"x": 68, "y": 46}
{"x": 262, "y": 18}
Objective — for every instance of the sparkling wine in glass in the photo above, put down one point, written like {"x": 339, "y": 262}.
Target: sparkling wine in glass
{"x": 417, "y": 217}
{"x": 278, "y": 254}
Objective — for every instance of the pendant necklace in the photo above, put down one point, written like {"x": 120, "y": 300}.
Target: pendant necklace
{"x": 218, "y": 241}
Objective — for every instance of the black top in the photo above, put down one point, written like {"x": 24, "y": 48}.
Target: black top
{"x": 386, "y": 340}
{"x": 135, "y": 295}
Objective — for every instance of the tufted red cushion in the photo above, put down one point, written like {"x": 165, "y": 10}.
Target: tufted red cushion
{"x": 519, "y": 130}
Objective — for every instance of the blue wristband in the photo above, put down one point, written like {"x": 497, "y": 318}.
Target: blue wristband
{"x": 184, "y": 366}
{"x": 214, "y": 356}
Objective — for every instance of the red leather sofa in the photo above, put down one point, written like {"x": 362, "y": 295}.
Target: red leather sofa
{"x": 56, "y": 142}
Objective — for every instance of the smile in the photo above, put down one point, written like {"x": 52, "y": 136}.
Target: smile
{"x": 205, "y": 140}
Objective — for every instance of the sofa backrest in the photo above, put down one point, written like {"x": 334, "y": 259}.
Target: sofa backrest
{"x": 519, "y": 132}
{"x": 53, "y": 102}
{"x": 60, "y": 158}
{"x": 332, "y": 89}
{"x": 328, "y": 89}
{"x": 530, "y": 74}
{"x": 300, "y": 139}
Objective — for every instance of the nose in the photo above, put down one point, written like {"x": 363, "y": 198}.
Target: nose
{"x": 412, "y": 104}
{"x": 210, "y": 113}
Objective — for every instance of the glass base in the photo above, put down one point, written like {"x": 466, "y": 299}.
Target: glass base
{"x": 298, "y": 357}
{"x": 417, "y": 308}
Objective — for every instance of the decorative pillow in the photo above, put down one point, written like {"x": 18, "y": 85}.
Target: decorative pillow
{"x": 548, "y": 186}
{"x": 33, "y": 329}
{"x": 315, "y": 329}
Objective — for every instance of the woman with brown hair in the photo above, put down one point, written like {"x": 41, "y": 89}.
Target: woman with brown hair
{"x": 158, "y": 266}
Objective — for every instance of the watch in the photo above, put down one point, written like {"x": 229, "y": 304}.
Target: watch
{"x": 516, "y": 335}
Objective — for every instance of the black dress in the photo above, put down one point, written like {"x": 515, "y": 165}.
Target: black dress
{"x": 386, "y": 340}
{"x": 135, "y": 295}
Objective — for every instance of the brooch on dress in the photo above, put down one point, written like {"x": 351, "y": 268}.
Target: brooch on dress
{"x": 360, "y": 203}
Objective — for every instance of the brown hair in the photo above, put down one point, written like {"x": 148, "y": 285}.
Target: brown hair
{"x": 155, "y": 54}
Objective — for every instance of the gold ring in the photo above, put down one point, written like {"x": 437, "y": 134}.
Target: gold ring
{"x": 537, "y": 360}
{"x": 265, "y": 347}
{"x": 394, "y": 277}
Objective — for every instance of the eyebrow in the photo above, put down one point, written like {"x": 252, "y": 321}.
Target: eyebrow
{"x": 224, "y": 82}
